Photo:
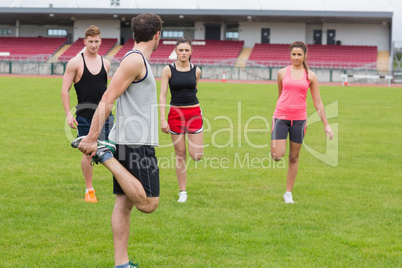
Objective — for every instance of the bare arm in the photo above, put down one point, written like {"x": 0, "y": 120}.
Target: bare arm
{"x": 319, "y": 106}
{"x": 129, "y": 70}
{"x": 281, "y": 74}
{"x": 166, "y": 74}
{"x": 68, "y": 79}
{"x": 106, "y": 63}
{"x": 198, "y": 75}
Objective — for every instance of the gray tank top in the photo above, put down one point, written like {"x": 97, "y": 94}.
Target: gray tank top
{"x": 137, "y": 112}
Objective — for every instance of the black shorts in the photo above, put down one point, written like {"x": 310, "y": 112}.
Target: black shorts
{"x": 84, "y": 124}
{"x": 295, "y": 128}
{"x": 141, "y": 162}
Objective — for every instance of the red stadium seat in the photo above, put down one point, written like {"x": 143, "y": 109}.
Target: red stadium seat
{"x": 33, "y": 48}
{"x": 327, "y": 56}
{"x": 204, "y": 51}
{"x": 78, "y": 46}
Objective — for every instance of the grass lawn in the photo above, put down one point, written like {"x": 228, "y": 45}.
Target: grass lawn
{"x": 347, "y": 210}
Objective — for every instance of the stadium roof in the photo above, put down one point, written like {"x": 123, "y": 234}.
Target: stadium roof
{"x": 186, "y": 17}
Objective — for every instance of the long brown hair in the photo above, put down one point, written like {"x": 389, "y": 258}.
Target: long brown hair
{"x": 303, "y": 46}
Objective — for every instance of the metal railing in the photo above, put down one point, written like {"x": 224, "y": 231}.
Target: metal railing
{"x": 26, "y": 58}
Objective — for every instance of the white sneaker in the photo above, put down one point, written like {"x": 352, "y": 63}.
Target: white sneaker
{"x": 288, "y": 198}
{"x": 182, "y": 197}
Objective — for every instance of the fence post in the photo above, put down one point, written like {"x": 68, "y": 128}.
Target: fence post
{"x": 270, "y": 73}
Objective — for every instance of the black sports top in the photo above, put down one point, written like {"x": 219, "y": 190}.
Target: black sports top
{"x": 90, "y": 90}
{"x": 183, "y": 86}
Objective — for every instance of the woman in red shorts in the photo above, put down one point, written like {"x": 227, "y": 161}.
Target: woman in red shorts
{"x": 290, "y": 116}
{"x": 184, "y": 114}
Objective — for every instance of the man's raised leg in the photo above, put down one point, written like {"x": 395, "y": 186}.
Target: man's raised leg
{"x": 131, "y": 186}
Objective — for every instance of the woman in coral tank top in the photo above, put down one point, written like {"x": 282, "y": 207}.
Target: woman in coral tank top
{"x": 290, "y": 116}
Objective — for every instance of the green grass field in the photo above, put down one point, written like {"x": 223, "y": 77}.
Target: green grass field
{"x": 346, "y": 214}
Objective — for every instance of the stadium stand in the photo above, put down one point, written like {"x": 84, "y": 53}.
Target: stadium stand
{"x": 322, "y": 56}
{"x": 124, "y": 49}
{"x": 165, "y": 49}
{"x": 161, "y": 55}
{"x": 30, "y": 48}
{"x": 78, "y": 45}
{"x": 216, "y": 52}
{"x": 205, "y": 51}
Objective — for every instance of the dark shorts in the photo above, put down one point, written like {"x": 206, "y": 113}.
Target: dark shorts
{"x": 295, "y": 128}
{"x": 84, "y": 124}
{"x": 141, "y": 162}
{"x": 185, "y": 120}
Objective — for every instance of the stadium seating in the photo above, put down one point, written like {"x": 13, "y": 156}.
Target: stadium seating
{"x": 30, "y": 48}
{"x": 204, "y": 51}
{"x": 165, "y": 49}
{"x": 78, "y": 45}
{"x": 322, "y": 56}
{"x": 161, "y": 55}
{"x": 217, "y": 52}
{"x": 124, "y": 49}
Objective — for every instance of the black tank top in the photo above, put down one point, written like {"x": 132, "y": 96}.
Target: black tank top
{"x": 90, "y": 90}
{"x": 183, "y": 86}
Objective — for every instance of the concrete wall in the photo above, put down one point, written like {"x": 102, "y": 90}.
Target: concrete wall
{"x": 34, "y": 31}
{"x": 360, "y": 34}
{"x": 310, "y": 32}
{"x": 280, "y": 33}
{"x": 199, "y": 30}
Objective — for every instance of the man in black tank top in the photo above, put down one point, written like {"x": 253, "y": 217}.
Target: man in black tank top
{"x": 88, "y": 71}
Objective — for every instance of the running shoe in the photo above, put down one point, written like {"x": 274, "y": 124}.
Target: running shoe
{"x": 103, "y": 148}
{"x": 182, "y": 197}
{"x": 288, "y": 198}
{"x": 131, "y": 264}
{"x": 107, "y": 143}
{"x": 101, "y": 151}
{"x": 90, "y": 196}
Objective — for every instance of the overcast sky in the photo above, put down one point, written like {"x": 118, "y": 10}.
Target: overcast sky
{"x": 329, "y": 5}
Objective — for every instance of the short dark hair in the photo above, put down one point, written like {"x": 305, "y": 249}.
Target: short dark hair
{"x": 145, "y": 26}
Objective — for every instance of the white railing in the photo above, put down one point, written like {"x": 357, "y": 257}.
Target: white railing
{"x": 267, "y": 63}
{"x": 26, "y": 58}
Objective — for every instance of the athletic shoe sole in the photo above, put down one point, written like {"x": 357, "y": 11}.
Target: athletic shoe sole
{"x": 75, "y": 143}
